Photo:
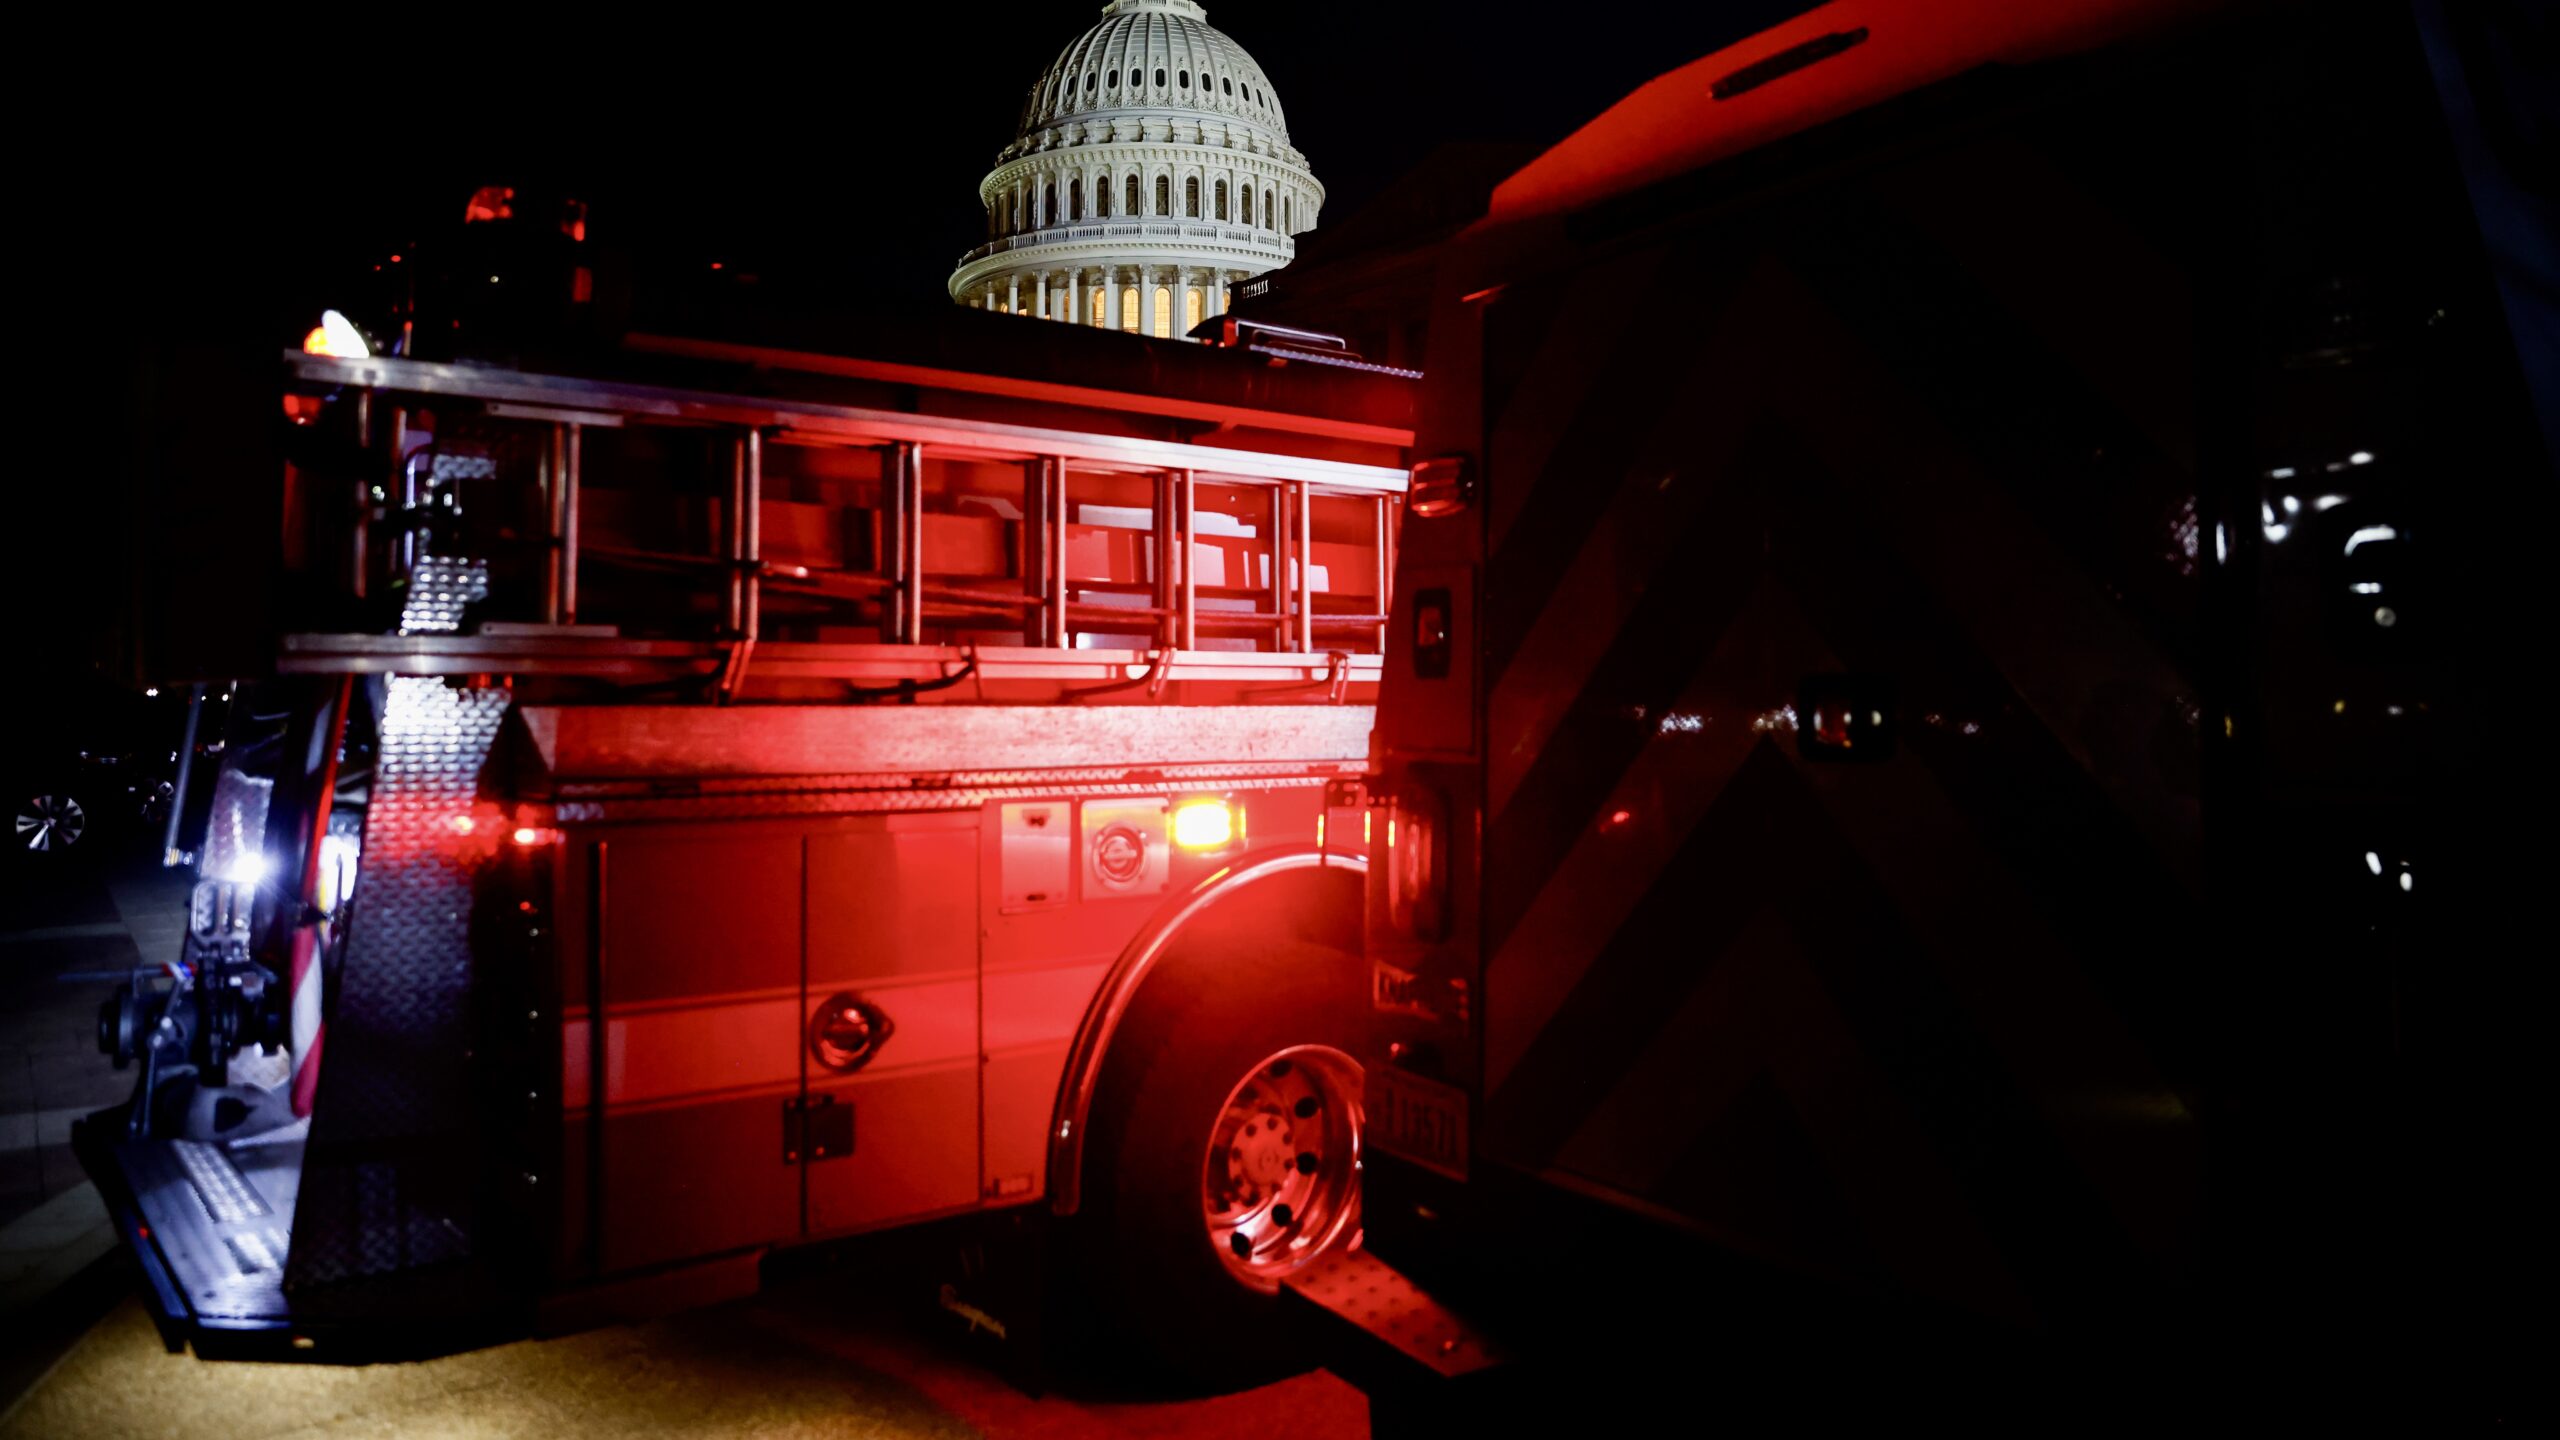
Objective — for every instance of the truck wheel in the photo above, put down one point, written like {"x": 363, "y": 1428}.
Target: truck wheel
{"x": 1224, "y": 1155}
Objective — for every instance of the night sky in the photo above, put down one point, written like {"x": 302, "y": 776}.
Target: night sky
{"x": 836, "y": 148}
{"x": 210, "y": 181}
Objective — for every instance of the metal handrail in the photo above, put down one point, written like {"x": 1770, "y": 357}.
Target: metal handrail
{"x": 605, "y": 399}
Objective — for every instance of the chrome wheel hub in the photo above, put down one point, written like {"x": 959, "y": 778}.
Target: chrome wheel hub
{"x": 1280, "y": 1182}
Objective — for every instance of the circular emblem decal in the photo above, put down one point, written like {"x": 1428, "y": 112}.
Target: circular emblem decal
{"x": 1120, "y": 854}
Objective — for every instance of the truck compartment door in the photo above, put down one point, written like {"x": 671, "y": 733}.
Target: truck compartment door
{"x": 893, "y": 927}
{"x": 700, "y": 964}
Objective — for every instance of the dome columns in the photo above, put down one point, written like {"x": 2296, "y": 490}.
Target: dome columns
{"x": 1152, "y": 168}
{"x": 1148, "y": 299}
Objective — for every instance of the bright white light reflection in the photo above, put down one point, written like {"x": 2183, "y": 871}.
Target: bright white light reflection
{"x": 345, "y": 340}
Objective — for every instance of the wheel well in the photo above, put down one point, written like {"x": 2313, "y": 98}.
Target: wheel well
{"x": 1300, "y": 893}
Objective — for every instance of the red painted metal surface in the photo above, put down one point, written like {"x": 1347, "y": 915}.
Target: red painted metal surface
{"x": 696, "y": 950}
{"x": 1694, "y": 116}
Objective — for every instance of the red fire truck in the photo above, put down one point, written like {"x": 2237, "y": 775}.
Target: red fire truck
{"x": 1938, "y": 832}
{"x": 718, "y": 795}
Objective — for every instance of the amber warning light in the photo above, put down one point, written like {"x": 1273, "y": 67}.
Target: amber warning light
{"x": 1203, "y": 824}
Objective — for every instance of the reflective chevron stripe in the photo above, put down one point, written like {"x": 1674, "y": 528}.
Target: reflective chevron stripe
{"x": 1932, "y": 1004}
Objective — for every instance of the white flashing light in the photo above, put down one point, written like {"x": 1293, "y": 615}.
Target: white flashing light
{"x": 2367, "y": 587}
{"x": 2281, "y": 472}
{"x": 2371, "y": 535}
{"x": 339, "y": 337}
{"x": 2361, "y": 457}
{"x": 2328, "y": 502}
{"x": 248, "y": 868}
{"x": 2373, "y": 862}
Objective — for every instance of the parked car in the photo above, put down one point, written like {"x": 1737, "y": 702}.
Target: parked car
{"x": 100, "y": 770}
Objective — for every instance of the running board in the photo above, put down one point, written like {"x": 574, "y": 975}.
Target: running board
{"x": 1384, "y": 1328}
{"x": 208, "y": 1223}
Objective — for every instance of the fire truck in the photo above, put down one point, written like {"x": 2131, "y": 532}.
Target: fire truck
{"x": 718, "y": 795}
{"x": 1939, "y": 847}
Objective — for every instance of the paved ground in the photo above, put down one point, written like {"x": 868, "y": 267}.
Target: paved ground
{"x": 812, "y": 1357}
{"x": 807, "y": 1359}
{"x": 67, "y": 935}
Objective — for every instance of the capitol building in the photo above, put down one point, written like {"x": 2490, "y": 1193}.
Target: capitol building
{"x": 1151, "y": 171}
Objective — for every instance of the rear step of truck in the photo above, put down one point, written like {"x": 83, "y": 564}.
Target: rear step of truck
{"x": 210, "y": 1223}
{"x": 1408, "y": 1330}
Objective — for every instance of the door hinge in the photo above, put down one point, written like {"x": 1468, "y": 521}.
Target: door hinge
{"x": 815, "y": 1128}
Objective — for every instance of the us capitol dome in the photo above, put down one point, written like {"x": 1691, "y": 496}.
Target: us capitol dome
{"x": 1151, "y": 171}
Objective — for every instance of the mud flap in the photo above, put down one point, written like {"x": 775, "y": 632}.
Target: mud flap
{"x": 993, "y": 1290}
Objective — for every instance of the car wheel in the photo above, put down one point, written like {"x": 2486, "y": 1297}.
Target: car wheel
{"x": 50, "y": 822}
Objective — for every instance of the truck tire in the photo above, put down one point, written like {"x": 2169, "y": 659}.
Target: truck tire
{"x": 1223, "y": 1153}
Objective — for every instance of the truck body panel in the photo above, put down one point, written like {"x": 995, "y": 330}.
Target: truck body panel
{"x": 746, "y": 793}
{"x": 1881, "y": 870}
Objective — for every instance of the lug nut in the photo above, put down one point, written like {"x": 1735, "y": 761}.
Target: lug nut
{"x": 1283, "y": 1215}
{"x": 1240, "y": 1245}
{"x": 1307, "y": 1162}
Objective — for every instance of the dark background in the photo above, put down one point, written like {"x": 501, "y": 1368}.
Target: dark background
{"x": 201, "y": 186}
{"x": 837, "y": 150}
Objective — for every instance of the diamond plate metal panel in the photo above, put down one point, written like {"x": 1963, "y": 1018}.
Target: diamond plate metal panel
{"x": 440, "y": 586}
{"x": 447, "y": 466}
{"x": 391, "y": 1181}
{"x": 237, "y": 827}
{"x": 215, "y": 1213}
{"x": 1376, "y": 1297}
